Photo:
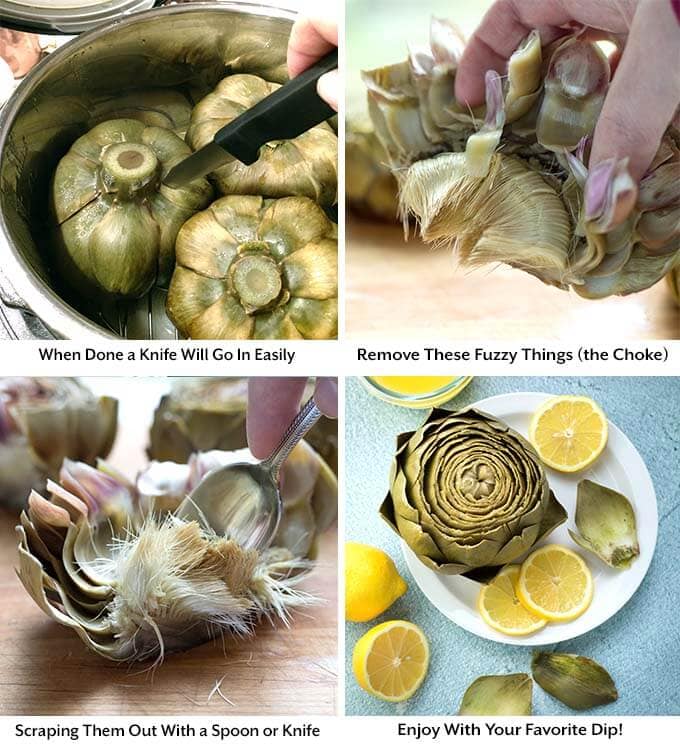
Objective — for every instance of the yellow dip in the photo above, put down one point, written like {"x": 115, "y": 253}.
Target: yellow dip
{"x": 415, "y": 391}
{"x": 413, "y": 385}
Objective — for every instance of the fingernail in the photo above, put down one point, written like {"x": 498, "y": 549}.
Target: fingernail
{"x": 327, "y": 88}
{"x": 610, "y": 194}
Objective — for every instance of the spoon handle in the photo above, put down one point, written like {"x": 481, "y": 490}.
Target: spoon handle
{"x": 302, "y": 423}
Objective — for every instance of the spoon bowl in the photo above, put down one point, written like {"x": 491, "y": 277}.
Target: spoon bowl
{"x": 242, "y": 501}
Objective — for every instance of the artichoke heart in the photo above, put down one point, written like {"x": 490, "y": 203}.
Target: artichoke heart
{"x": 605, "y": 521}
{"x": 42, "y": 422}
{"x": 577, "y": 681}
{"x": 498, "y": 695}
{"x": 468, "y": 492}
{"x": 115, "y": 222}
{"x": 506, "y": 183}
{"x": 103, "y": 556}
{"x": 304, "y": 166}
{"x": 254, "y": 268}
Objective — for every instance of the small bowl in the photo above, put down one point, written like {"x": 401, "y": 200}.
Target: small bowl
{"x": 430, "y": 399}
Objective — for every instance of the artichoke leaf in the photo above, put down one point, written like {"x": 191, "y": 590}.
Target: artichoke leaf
{"x": 577, "y": 681}
{"x": 605, "y": 522}
{"x": 498, "y": 695}
{"x": 122, "y": 250}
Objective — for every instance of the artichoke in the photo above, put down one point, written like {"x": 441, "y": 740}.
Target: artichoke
{"x": 674, "y": 283}
{"x": 303, "y": 166}
{"x": 43, "y": 421}
{"x": 210, "y": 413}
{"x": 605, "y": 522}
{"x": 498, "y": 695}
{"x": 468, "y": 492}
{"x": 370, "y": 187}
{"x": 101, "y": 558}
{"x": 253, "y": 268}
{"x": 116, "y": 223}
{"x": 577, "y": 681}
{"x": 512, "y": 190}
{"x": 198, "y": 415}
{"x": 164, "y": 108}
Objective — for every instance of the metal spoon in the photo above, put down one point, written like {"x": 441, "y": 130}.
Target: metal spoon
{"x": 242, "y": 501}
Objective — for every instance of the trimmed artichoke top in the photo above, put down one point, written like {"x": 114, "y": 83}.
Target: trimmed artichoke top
{"x": 467, "y": 492}
{"x": 116, "y": 222}
{"x": 254, "y": 268}
{"x": 303, "y": 166}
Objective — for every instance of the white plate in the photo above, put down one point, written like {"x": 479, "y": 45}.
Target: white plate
{"x": 619, "y": 467}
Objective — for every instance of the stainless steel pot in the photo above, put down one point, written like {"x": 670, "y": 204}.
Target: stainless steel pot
{"x": 187, "y": 46}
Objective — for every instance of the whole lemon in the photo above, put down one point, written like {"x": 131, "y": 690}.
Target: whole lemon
{"x": 372, "y": 582}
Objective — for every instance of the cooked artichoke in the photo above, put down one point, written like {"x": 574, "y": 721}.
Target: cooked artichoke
{"x": 164, "y": 108}
{"x": 303, "y": 166}
{"x": 116, "y": 223}
{"x": 605, "y": 523}
{"x": 43, "y": 421}
{"x": 253, "y": 268}
{"x": 512, "y": 191}
{"x": 577, "y": 681}
{"x": 210, "y": 413}
{"x": 370, "y": 187}
{"x": 674, "y": 283}
{"x": 467, "y": 492}
{"x": 498, "y": 695}
{"x": 198, "y": 415}
{"x": 100, "y": 557}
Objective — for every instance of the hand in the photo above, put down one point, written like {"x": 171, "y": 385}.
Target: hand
{"x": 311, "y": 38}
{"x": 273, "y": 404}
{"x": 644, "y": 93}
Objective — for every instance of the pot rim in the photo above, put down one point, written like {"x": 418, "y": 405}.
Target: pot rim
{"x": 55, "y": 313}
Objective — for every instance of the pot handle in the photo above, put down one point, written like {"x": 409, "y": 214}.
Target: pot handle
{"x": 9, "y": 296}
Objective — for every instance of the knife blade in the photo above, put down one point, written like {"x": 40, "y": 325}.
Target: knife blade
{"x": 286, "y": 113}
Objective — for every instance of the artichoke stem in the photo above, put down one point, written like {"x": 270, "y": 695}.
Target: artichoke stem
{"x": 128, "y": 168}
{"x": 257, "y": 281}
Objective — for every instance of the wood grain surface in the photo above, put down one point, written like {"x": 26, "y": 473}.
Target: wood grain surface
{"x": 46, "y": 669}
{"x": 407, "y": 290}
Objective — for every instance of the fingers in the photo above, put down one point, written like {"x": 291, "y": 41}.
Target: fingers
{"x": 508, "y": 22}
{"x": 644, "y": 93}
{"x": 327, "y": 87}
{"x": 274, "y": 402}
{"x": 310, "y": 39}
{"x": 272, "y": 405}
{"x": 326, "y": 396}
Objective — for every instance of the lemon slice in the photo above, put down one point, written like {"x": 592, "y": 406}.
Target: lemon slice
{"x": 390, "y": 660}
{"x": 500, "y": 608}
{"x": 555, "y": 584}
{"x": 569, "y": 432}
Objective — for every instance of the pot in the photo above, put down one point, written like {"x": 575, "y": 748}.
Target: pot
{"x": 185, "y": 47}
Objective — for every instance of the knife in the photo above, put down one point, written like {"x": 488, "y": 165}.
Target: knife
{"x": 291, "y": 110}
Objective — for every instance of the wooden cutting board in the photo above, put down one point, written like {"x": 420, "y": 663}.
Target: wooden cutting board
{"x": 46, "y": 669}
{"x": 397, "y": 289}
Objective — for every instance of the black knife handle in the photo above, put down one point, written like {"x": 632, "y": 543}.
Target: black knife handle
{"x": 286, "y": 113}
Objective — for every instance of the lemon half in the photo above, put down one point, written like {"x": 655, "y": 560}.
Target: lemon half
{"x": 390, "y": 661}
{"x": 569, "y": 432}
